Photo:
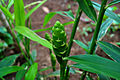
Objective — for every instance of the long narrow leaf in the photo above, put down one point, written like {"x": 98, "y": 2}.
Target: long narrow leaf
{"x": 31, "y": 74}
{"x": 108, "y": 12}
{"x": 31, "y": 4}
{"x": 113, "y": 2}
{"x": 104, "y": 28}
{"x": 70, "y": 14}
{"x": 96, "y": 64}
{"x": 6, "y": 12}
{"x": 19, "y": 12}
{"x": 11, "y": 2}
{"x": 102, "y": 77}
{"x": 20, "y": 74}
{"x": 50, "y": 28}
{"x": 33, "y": 36}
{"x": 110, "y": 49}
{"x": 55, "y": 73}
{"x": 50, "y": 15}
{"x": 48, "y": 18}
{"x": 82, "y": 45}
{"x": 7, "y": 70}
{"x": 8, "y": 61}
{"x": 34, "y": 9}
{"x": 88, "y": 9}
{"x": 40, "y": 30}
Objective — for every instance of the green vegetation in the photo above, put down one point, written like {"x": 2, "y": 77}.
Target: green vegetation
{"x": 17, "y": 30}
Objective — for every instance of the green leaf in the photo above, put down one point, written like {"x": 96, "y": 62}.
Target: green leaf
{"x": 72, "y": 70}
{"x": 7, "y": 70}
{"x": 11, "y": 2}
{"x": 32, "y": 72}
{"x": 34, "y": 54}
{"x": 55, "y": 73}
{"x": 113, "y": 2}
{"x": 118, "y": 43}
{"x": 96, "y": 64}
{"x": 19, "y": 12}
{"x": 104, "y": 28}
{"x": 102, "y": 77}
{"x": 8, "y": 61}
{"x": 108, "y": 12}
{"x": 88, "y": 9}
{"x": 67, "y": 23}
{"x": 44, "y": 69}
{"x": 20, "y": 74}
{"x": 66, "y": 14}
{"x": 50, "y": 28}
{"x": 40, "y": 30}
{"x": 69, "y": 14}
{"x": 34, "y": 9}
{"x": 110, "y": 49}
{"x": 33, "y": 36}
{"x": 33, "y": 3}
{"x": 48, "y": 18}
{"x": 6, "y": 12}
{"x": 82, "y": 45}
{"x": 50, "y": 15}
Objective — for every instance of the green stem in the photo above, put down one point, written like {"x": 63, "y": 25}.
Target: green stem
{"x": 67, "y": 73}
{"x": 18, "y": 43}
{"x": 62, "y": 70}
{"x": 77, "y": 19}
{"x": 27, "y": 43}
{"x": 97, "y": 29}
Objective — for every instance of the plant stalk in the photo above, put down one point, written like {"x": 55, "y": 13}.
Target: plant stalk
{"x": 19, "y": 44}
{"x": 97, "y": 29}
{"x": 8, "y": 25}
{"x": 67, "y": 73}
{"x": 62, "y": 70}
{"x": 77, "y": 19}
{"x": 64, "y": 63}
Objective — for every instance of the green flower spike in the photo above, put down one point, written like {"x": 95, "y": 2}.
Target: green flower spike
{"x": 59, "y": 40}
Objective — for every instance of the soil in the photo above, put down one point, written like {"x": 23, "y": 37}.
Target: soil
{"x": 43, "y": 58}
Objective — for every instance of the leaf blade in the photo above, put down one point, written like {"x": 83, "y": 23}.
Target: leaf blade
{"x": 7, "y": 70}
{"x": 8, "y": 61}
{"x": 113, "y": 2}
{"x": 96, "y": 64}
{"x": 34, "y": 9}
{"x": 82, "y": 45}
{"x": 33, "y": 36}
{"x": 108, "y": 12}
{"x": 19, "y": 12}
{"x": 6, "y": 12}
{"x": 31, "y": 74}
{"x": 110, "y": 49}
{"x": 88, "y": 9}
{"x": 104, "y": 28}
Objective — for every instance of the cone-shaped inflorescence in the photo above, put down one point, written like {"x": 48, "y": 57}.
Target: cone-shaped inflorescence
{"x": 47, "y": 37}
{"x": 53, "y": 58}
{"x": 59, "y": 40}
